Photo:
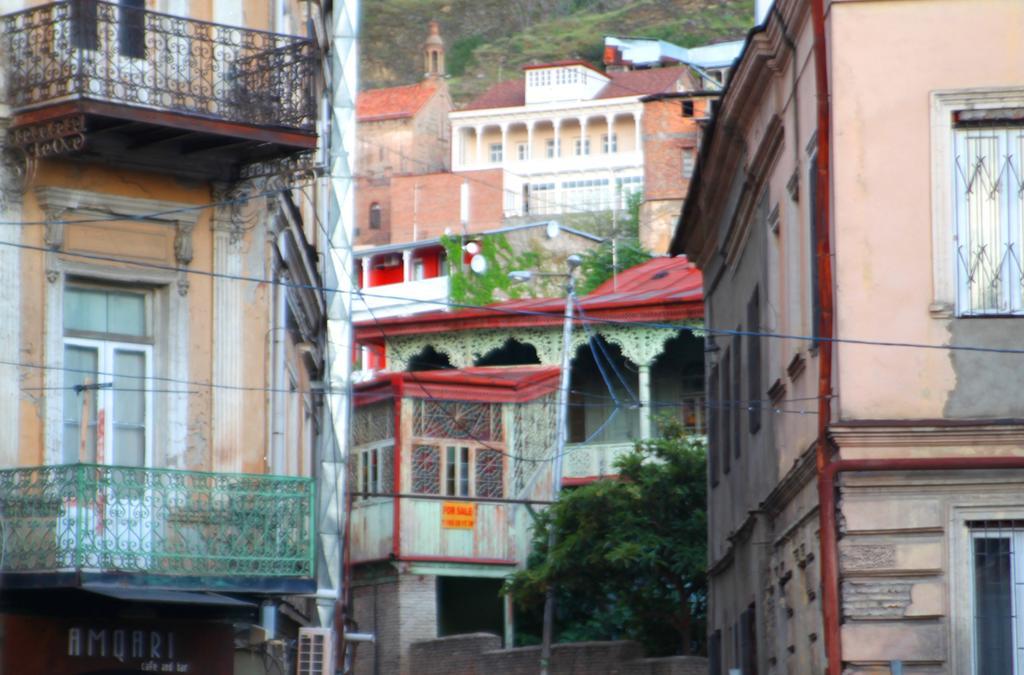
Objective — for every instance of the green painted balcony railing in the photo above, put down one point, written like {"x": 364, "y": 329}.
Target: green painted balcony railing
{"x": 155, "y": 521}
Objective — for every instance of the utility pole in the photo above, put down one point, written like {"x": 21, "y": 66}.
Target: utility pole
{"x": 562, "y": 437}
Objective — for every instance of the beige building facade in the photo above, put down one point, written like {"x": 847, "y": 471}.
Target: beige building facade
{"x": 917, "y": 546}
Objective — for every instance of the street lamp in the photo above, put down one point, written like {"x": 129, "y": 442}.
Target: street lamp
{"x": 573, "y": 263}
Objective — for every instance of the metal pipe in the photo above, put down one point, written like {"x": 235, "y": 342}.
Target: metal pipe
{"x": 823, "y": 260}
{"x": 556, "y": 471}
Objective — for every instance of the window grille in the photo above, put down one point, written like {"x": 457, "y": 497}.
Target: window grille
{"x": 426, "y": 470}
{"x": 998, "y": 591}
{"x": 372, "y": 423}
{"x": 457, "y": 420}
{"x": 988, "y": 237}
{"x": 490, "y": 473}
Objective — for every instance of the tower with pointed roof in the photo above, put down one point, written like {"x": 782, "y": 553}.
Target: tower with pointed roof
{"x": 433, "y": 53}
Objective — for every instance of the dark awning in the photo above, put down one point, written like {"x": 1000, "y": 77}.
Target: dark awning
{"x": 167, "y": 597}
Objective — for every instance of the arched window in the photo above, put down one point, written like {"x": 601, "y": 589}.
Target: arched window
{"x": 433, "y": 62}
{"x": 375, "y": 216}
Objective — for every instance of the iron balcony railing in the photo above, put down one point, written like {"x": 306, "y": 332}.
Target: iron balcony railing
{"x": 89, "y": 517}
{"x": 88, "y": 49}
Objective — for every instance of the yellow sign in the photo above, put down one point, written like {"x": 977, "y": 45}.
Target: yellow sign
{"x": 458, "y": 515}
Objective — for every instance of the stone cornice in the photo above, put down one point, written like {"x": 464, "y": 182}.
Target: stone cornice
{"x": 927, "y": 433}
{"x": 546, "y": 112}
{"x": 56, "y": 202}
{"x": 798, "y": 476}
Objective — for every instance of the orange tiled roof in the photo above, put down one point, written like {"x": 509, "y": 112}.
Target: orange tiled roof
{"x": 393, "y": 102}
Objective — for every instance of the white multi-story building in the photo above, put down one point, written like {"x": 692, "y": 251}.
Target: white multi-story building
{"x": 572, "y": 138}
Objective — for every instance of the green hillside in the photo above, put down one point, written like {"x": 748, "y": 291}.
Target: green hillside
{"x": 489, "y": 40}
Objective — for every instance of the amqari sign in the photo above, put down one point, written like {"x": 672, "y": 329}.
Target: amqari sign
{"x": 458, "y": 515}
{"x": 61, "y": 646}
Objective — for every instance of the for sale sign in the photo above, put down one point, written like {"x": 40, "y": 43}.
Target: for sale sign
{"x": 458, "y": 515}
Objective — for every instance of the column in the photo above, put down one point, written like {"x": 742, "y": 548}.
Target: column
{"x": 457, "y": 148}
{"x": 644, "y": 393}
{"x": 10, "y": 326}
{"x": 529, "y": 139}
{"x": 637, "y": 117}
{"x": 558, "y": 137}
{"x": 407, "y": 265}
{"x": 583, "y": 136}
{"x": 504, "y": 143}
{"x": 367, "y": 264}
{"x": 228, "y": 332}
{"x": 609, "y": 121}
{"x": 479, "y": 145}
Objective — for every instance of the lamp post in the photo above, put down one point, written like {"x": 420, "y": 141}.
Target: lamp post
{"x": 573, "y": 263}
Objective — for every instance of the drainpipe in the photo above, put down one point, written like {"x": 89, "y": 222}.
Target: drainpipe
{"x": 826, "y": 497}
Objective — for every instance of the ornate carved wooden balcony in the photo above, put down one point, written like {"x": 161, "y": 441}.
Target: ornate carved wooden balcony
{"x": 116, "y": 83}
{"x": 85, "y": 521}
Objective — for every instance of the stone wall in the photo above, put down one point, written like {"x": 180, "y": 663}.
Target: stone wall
{"x": 480, "y": 654}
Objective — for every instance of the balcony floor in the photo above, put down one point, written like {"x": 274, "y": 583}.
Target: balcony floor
{"x": 147, "y": 139}
{"x": 10, "y": 581}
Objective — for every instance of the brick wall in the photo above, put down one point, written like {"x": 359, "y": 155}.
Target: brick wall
{"x": 398, "y": 610}
{"x": 479, "y": 654}
{"x": 438, "y": 203}
{"x": 666, "y": 133}
{"x": 368, "y": 192}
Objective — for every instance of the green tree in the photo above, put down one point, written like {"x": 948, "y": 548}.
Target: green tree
{"x": 597, "y": 263}
{"x": 469, "y": 288}
{"x": 629, "y": 562}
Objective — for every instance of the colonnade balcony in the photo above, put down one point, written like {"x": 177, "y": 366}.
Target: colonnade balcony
{"x": 527, "y": 144}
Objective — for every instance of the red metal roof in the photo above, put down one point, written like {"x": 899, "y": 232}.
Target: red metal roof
{"x": 662, "y": 289}
{"x": 498, "y": 384}
{"x": 393, "y": 102}
{"x": 512, "y": 93}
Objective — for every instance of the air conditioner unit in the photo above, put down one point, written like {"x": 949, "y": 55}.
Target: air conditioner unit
{"x": 316, "y": 651}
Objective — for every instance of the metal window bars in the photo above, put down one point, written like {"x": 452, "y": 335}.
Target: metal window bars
{"x": 102, "y": 51}
{"x": 989, "y": 220}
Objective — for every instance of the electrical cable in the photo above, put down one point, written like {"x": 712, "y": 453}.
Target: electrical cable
{"x": 497, "y": 309}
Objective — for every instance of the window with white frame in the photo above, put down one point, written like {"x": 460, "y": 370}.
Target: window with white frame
{"x": 108, "y": 357}
{"x": 581, "y": 146}
{"x": 586, "y": 195}
{"x": 626, "y": 186}
{"x": 522, "y": 151}
{"x": 609, "y": 143}
{"x": 373, "y": 470}
{"x": 458, "y": 470}
{"x": 997, "y": 591}
{"x": 496, "y": 152}
{"x": 988, "y": 212}
{"x": 542, "y": 198}
{"x": 550, "y": 151}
